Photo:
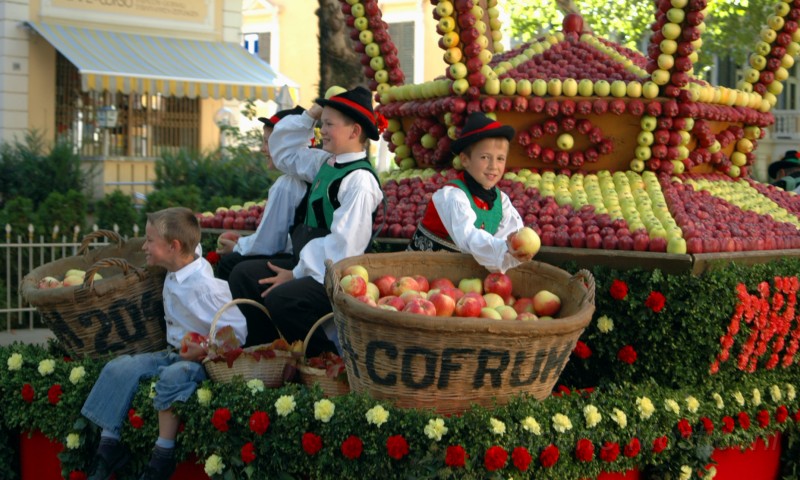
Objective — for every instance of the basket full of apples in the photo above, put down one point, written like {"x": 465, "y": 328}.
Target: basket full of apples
{"x": 437, "y": 330}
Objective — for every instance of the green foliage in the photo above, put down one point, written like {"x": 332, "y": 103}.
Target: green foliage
{"x": 18, "y": 212}
{"x": 65, "y": 210}
{"x": 188, "y": 196}
{"x": 116, "y": 208}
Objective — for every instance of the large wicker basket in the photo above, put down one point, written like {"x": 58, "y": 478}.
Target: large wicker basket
{"x": 273, "y": 371}
{"x": 122, "y": 313}
{"x": 331, "y": 387}
{"x": 449, "y": 363}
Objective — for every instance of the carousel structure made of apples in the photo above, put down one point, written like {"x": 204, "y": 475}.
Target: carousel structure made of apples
{"x": 614, "y": 149}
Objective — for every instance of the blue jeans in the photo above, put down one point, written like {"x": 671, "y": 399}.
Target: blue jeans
{"x": 110, "y": 399}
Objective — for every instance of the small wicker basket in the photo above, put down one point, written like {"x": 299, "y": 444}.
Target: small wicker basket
{"x": 122, "y": 313}
{"x": 274, "y": 371}
{"x": 450, "y": 363}
{"x": 331, "y": 387}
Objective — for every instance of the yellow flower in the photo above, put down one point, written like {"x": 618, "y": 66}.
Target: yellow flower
{"x": 214, "y": 465}
{"x": 686, "y": 472}
{"x": 73, "y": 441}
{"x": 203, "y": 396}
{"x": 790, "y": 392}
{"x": 592, "y": 416}
{"x": 712, "y": 472}
{"x": 255, "y": 385}
{"x": 76, "y": 375}
{"x": 14, "y": 362}
{"x": 692, "y": 404}
{"x": 619, "y": 418}
{"x": 377, "y": 415}
{"x": 285, "y": 405}
{"x": 756, "y": 397}
{"x": 498, "y": 427}
{"x": 737, "y": 395}
{"x": 47, "y": 366}
{"x": 323, "y": 410}
{"x": 645, "y": 407}
{"x": 531, "y": 425}
{"x": 152, "y": 393}
{"x": 672, "y": 406}
{"x": 775, "y": 393}
{"x": 605, "y": 324}
{"x": 561, "y": 423}
{"x": 718, "y": 400}
{"x": 435, "y": 429}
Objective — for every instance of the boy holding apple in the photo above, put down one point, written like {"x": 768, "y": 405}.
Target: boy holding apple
{"x": 192, "y": 296}
{"x": 470, "y": 214}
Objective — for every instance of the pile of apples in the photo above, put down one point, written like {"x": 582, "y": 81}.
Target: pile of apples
{"x": 71, "y": 278}
{"x": 235, "y": 217}
{"x": 490, "y": 297}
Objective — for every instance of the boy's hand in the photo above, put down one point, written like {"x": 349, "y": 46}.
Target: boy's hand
{"x": 225, "y": 246}
{"x": 315, "y": 111}
{"x": 193, "y": 347}
{"x": 281, "y": 276}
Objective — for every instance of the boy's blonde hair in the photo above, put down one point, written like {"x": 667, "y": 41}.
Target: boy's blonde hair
{"x": 177, "y": 223}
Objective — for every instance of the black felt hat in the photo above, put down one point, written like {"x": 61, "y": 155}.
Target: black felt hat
{"x": 273, "y": 120}
{"x": 789, "y": 160}
{"x": 357, "y": 104}
{"x": 477, "y": 127}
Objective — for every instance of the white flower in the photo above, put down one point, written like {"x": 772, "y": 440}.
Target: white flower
{"x": 377, "y": 415}
{"x": 645, "y": 407}
{"x": 498, "y": 427}
{"x": 73, "y": 441}
{"x": 591, "y": 415}
{"x": 756, "y": 397}
{"x": 790, "y": 392}
{"x": 686, "y": 472}
{"x": 255, "y": 385}
{"x": 718, "y": 401}
{"x": 619, "y": 417}
{"x": 561, "y": 423}
{"x": 152, "y": 393}
{"x": 531, "y": 425}
{"x": 692, "y": 404}
{"x": 775, "y": 393}
{"x": 285, "y": 405}
{"x": 203, "y": 396}
{"x": 76, "y": 375}
{"x": 672, "y": 406}
{"x": 435, "y": 429}
{"x": 605, "y": 324}
{"x": 214, "y": 465}
{"x": 14, "y": 362}
{"x": 323, "y": 410}
{"x": 737, "y": 395}
{"x": 47, "y": 366}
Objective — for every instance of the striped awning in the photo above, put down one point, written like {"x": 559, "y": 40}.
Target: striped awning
{"x": 173, "y": 67}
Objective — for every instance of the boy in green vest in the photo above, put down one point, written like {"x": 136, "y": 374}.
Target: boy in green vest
{"x": 339, "y": 213}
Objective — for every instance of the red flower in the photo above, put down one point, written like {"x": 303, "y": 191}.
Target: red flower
{"x": 708, "y": 425}
{"x": 136, "y": 420}
{"x": 312, "y": 443}
{"x": 609, "y": 452}
{"x": 582, "y": 350}
{"x": 397, "y": 446}
{"x": 727, "y": 424}
{"x": 352, "y": 447}
{"x": 54, "y": 394}
{"x": 248, "y": 452}
{"x": 744, "y": 420}
{"x": 584, "y": 450}
{"x": 456, "y": 456}
{"x": 521, "y": 458}
{"x": 627, "y": 355}
{"x": 27, "y": 393}
{"x": 220, "y": 419}
{"x": 381, "y": 122}
{"x": 549, "y": 456}
{"x": 655, "y": 301}
{"x": 77, "y": 475}
{"x": 495, "y": 459}
{"x": 259, "y": 422}
{"x": 763, "y": 418}
{"x": 685, "y": 428}
{"x": 796, "y": 417}
{"x": 618, "y": 290}
{"x": 781, "y": 414}
{"x": 660, "y": 444}
{"x": 632, "y": 448}
{"x": 212, "y": 257}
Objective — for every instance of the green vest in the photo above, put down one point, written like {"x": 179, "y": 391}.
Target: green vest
{"x": 488, "y": 220}
{"x": 322, "y": 199}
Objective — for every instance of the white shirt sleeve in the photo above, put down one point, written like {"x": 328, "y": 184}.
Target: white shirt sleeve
{"x": 351, "y": 227}
{"x": 458, "y": 219}
{"x": 288, "y": 146}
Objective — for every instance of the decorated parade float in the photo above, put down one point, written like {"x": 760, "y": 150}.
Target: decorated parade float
{"x": 675, "y": 354}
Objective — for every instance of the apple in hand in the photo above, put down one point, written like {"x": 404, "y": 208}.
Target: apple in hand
{"x": 191, "y": 337}
{"x": 498, "y": 283}
{"x": 353, "y": 285}
{"x": 226, "y": 241}
{"x": 546, "y": 303}
{"x": 357, "y": 270}
{"x": 525, "y": 242}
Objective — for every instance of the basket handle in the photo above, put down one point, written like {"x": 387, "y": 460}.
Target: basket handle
{"x": 88, "y": 278}
{"x": 240, "y": 301}
{"x": 331, "y": 280}
{"x": 588, "y": 279}
{"x": 110, "y": 234}
{"x": 313, "y": 329}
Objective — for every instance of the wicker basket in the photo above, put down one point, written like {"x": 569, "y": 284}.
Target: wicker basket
{"x": 331, "y": 387}
{"x": 122, "y": 313}
{"x": 274, "y": 371}
{"x": 449, "y": 363}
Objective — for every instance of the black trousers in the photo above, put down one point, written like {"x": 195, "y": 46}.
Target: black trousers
{"x": 294, "y": 306}
{"x": 230, "y": 260}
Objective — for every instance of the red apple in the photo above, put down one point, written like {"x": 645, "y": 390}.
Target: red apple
{"x": 498, "y": 283}
{"x": 357, "y": 270}
{"x": 527, "y": 316}
{"x": 441, "y": 282}
{"x": 546, "y": 303}
{"x": 424, "y": 286}
{"x": 228, "y": 235}
{"x": 524, "y": 304}
{"x": 393, "y": 301}
{"x": 367, "y": 299}
{"x": 384, "y": 284}
{"x": 445, "y": 304}
{"x": 353, "y": 285}
{"x": 420, "y": 306}
{"x": 526, "y": 241}
{"x": 403, "y": 284}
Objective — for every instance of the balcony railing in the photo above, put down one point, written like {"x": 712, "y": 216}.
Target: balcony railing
{"x": 787, "y": 125}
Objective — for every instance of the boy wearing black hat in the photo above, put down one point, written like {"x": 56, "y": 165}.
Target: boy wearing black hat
{"x": 339, "y": 213}
{"x": 470, "y": 214}
{"x": 785, "y": 173}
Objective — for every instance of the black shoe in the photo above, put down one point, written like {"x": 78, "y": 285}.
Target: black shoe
{"x": 103, "y": 467}
{"x": 162, "y": 471}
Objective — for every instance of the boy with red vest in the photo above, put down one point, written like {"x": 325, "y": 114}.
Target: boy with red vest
{"x": 470, "y": 214}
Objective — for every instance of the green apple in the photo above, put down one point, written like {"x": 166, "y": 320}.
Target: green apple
{"x": 372, "y": 50}
{"x": 480, "y": 26}
{"x": 460, "y": 86}
{"x": 565, "y": 142}
{"x": 675, "y": 15}
{"x": 394, "y": 125}
{"x": 486, "y": 56}
{"x": 357, "y": 10}
{"x": 788, "y": 61}
{"x": 633, "y": 89}
{"x": 762, "y": 48}
{"x": 585, "y": 87}
{"x": 508, "y": 86}
{"x": 679, "y": 3}
{"x": 649, "y": 89}
{"x": 768, "y": 34}
{"x": 477, "y": 11}
{"x": 444, "y": 8}
{"x": 781, "y": 74}
{"x": 382, "y": 76}
{"x": 458, "y": 70}
{"x": 677, "y": 167}
{"x": 492, "y": 86}
{"x": 365, "y": 37}
{"x": 739, "y": 159}
{"x": 450, "y": 39}
{"x": 407, "y": 163}
{"x": 398, "y": 138}
{"x": 637, "y": 165}
{"x": 569, "y": 87}
{"x": 428, "y": 141}
{"x": 618, "y": 88}
{"x": 645, "y": 138}
{"x": 554, "y": 87}
{"x": 775, "y": 22}
{"x": 751, "y": 75}
{"x": 782, "y": 9}
{"x": 668, "y": 46}
{"x": 752, "y": 132}
{"x": 602, "y": 88}
{"x": 660, "y": 76}
{"x": 671, "y": 30}
{"x": 452, "y": 55}
{"x": 642, "y": 152}
{"x": 361, "y": 24}
{"x": 446, "y": 24}
{"x": 539, "y": 87}
{"x": 665, "y": 61}
{"x": 524, "y": 87}
{"x": 402, "y": 151}
{"x": 376, "y": 63}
